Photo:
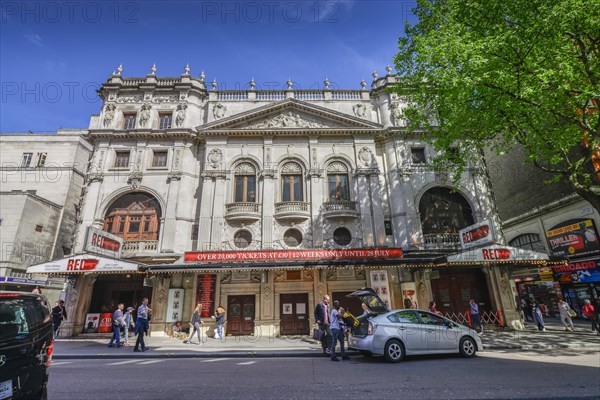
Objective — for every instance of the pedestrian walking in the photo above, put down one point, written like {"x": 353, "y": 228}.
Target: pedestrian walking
{"x": 538, "y": 317}
{"x": 117, "y": 323}
{"x": 588, "y": 311}
{"x": 220, "y": 320}
{"x": 337, "y": 331}
{"x": 195, "y": 323}
{"x": 475, "y": 318}
{"x": 565, "y": 315}
{"x": 63, "y": 309}
{"x": 141, "y": 325}
{"x": 322, "y": 320}
{"x": 56, "y": 319}
{"x": 129, "y": 324}
{"x": 526, "y": 306}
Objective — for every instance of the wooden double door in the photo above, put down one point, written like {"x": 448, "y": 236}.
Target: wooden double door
{"x": 453, "y": 289}
{"x": 240, "y": 315}
{"x": 293, "y": 309}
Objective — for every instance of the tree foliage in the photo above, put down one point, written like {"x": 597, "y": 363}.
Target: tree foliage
{"x": 500, "y": 74}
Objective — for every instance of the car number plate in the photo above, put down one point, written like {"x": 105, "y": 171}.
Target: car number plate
{"x": 6, "y": 389}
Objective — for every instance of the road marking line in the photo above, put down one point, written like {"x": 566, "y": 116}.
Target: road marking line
{"x": 61, "y": 362}
{"x": 124, "y": 362}
{"x": 215, "y": 359}
{"x": 150, "y": 362}
{"x": 247, "y": 363}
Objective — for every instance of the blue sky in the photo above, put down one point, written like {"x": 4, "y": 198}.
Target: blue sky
{"x": 54, "y": 54}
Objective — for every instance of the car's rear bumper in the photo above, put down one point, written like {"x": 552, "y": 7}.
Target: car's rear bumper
{"x": 361, "y": 343}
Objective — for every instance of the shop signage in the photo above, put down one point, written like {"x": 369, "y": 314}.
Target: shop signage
{"x": 290, "y": 255}
{"x": 105, "y": 324}
{"x": 83, "y": 263}
{"x": 477, "y": 235}
{"x": 104, "y": 243}
{"x": 574, "y": 238}
{"x": 91, "y": 323}
{"x": 496, "y": 253}
{"x": 579, "y": 272}
{"x": 175, "y": 305}
{"x": 23, "y": 281}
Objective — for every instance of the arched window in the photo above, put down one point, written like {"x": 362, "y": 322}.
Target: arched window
{"x": 337, "y": 181}
{"x": 291, "y": 182}
{"x": 528, "y": 241}
{"x": 444, "y": 211}
{"x": 134, "y": 216}
{"x": 245, "y": 183}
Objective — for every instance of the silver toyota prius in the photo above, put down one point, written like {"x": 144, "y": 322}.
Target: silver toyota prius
{"x": 397, "y": 333}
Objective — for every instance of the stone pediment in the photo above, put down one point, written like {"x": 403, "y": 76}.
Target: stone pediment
{"x": 289, "y": 114}
{"x": 291, "y": 119}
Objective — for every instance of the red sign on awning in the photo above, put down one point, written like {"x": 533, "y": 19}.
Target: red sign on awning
{"x": 291, "y": 255}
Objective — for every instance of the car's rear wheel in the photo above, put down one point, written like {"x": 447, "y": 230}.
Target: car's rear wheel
{"x": 366, "y": 353}
{"x": 394, "y": 351}
{"x": 467, "y": 347}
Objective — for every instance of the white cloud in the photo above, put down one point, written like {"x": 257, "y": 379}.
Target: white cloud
{"x": 35, "y": 39}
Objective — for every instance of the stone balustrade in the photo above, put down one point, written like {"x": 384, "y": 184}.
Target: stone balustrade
{"x": 136, "y": 247}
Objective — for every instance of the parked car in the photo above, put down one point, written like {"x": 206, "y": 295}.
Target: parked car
{"x": 397, "y": 333}
{"x": 25, "y": 345}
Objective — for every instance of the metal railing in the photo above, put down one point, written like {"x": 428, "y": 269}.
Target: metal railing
{"x": 441, "y": 240}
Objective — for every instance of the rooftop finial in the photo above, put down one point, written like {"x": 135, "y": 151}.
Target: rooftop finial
{"x": 186, "y": 69}
{"x": 153, "y": 69}
{"x": 363, "y": 84}
{"x": 119, "y": 69}
{"x": 252, "y": 84}
{"x": 388, "y": 69}
{"x": 289, "y": 83}
{"x": 326, "y": 83}
{"x": 202, "y": 76}
{"x": 374, "y": 74}
{"x": 214, "y": 84}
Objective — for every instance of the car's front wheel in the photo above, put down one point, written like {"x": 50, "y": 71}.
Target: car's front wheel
{"x": 394, "y": 351}
{"x": 467, "y": 347}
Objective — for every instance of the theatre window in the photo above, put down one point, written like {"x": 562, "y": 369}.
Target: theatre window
{"x": 291, "y": 182}
{"x": 245, "y": 183}
{"x": 134, "y": 216}
{"x": 528, "y": 241}
{"x": 444, "y": 212}
{"x": 337, "y": 181}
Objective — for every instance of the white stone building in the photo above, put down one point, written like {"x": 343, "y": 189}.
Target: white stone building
{"x": 42, "y": 176}
{"x": 179, "y": 167}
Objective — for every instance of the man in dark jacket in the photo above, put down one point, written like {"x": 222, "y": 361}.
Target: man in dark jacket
{"x": 322, "y": 319}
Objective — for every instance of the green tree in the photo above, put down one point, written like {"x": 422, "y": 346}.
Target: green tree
{"x": 497, "y": 74}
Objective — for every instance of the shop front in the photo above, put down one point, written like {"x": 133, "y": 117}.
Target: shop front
{"x": 579, "y": 281}
{"x": 96, "y": 285}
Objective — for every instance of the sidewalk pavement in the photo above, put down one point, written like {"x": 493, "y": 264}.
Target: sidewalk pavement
{"x": 85, "y": 347}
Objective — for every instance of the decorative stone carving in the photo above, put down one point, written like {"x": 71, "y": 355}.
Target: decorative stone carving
{"x": 308, "y": 275}
{"x": 359, "y": 274}
{"x": 290, "y": 120}
{"x": 95, "y": 177}
{"x": 109, "y": 114}
{"x": 174, "y": 176}
{"x": 291, "y": 168}
{"x": 162, "y": 294}
{"x": 145, "y": 114}
{"x": 337, "y": 166}
{"x": 183, "y": 96}
{"x": 267, "y": 292}
{"x": 165, "y": 98}
{"x": 245, "y": 168}
{"x": 181, "y": 110}
{"x": 135, "y": 178}
{"x": 219, "y": 110}
{"x": 226, "y": 277}
{"x": 359, "y": 109}
{"x": 331, "y": 275}
{"x": 176, "y": 158}
{"x": 365, "y": 157}
{"x": 215, "y": 157}
{"x": 130, "y": 98}
{"x": 255, "y": 277}
{"x": 279, "y": 276}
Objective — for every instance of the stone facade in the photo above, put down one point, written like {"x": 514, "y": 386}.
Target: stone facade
{"x": 42, "y": 181}
{"x": 271, "y": 170}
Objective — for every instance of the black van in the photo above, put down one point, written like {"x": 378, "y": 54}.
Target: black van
{"x": 25, "y": 345}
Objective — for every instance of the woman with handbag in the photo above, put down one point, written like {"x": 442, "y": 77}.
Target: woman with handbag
{"x": 220, "y": 320}
{"x": 195, "y": 323}
{"x": 565, "y": 315}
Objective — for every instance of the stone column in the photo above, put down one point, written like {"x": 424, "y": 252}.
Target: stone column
{"x": 500, "y": 291}
{"x": 170, "y": 223}
{"x": 315, "y": 174}
{"x": 364, "y": 204}
{"x": 205, "y": 218}
{"x": 160, "y": 295}
{"x": 79, "y": 297}
{"x": 378, "y": 221}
